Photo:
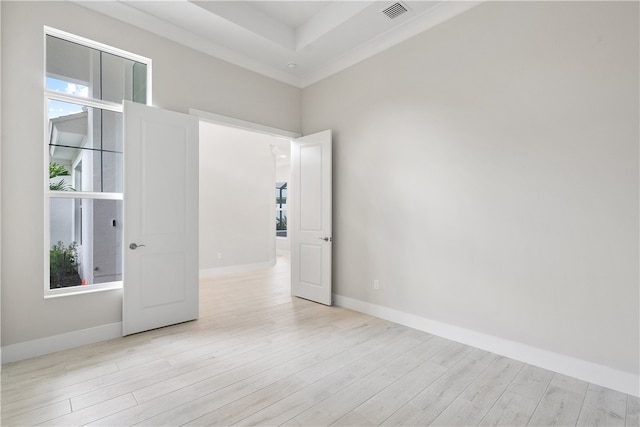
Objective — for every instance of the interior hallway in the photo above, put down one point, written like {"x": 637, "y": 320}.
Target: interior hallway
{"x": 257, "y": 356}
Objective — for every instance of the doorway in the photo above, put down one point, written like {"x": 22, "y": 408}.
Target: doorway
{"x": 242, "y": 217}
{"x": 310, "y": 215}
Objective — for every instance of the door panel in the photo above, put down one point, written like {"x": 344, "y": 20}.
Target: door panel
{"x": 164, "y": 188}
{"x": 311, "y": 187}
{"x": 159, "y": 270}
{"x": 310, "y": 220}
{"x": 161, "y": 217}
{"x": 311, "y": 262}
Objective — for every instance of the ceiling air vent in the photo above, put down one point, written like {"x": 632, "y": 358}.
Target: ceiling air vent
{"x": 395, "y": 10}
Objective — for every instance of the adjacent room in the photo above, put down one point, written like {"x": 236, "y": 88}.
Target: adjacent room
{"x": 243, "y": 199}
{"x": 320, "y": 212}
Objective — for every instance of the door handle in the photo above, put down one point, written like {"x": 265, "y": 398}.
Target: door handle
{"x": 134, "y": 246}
{"x": 326, "y": 239}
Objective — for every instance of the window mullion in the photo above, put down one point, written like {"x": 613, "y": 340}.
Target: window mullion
{"x": 89, "y": 102}
{"x": 84, "y": 195}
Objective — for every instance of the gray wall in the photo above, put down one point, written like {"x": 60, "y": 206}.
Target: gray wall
{"x": 182, "y": 79}
{"x": 486, "y": 172}
{"x": 237, "y": 203}
{"x": 0, "y": 187}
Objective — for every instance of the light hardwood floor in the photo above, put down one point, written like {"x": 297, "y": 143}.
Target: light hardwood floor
{"x": 259, "y": 357}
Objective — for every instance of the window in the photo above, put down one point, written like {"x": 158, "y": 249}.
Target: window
{"x": 281, "y": 209}
{"x": 85, "y": 86}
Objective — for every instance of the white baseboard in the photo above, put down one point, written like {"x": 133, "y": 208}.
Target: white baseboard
{"x": 604, "y": 376}
{"x": 28, "y": 349}
{"x": 232, "y": 269}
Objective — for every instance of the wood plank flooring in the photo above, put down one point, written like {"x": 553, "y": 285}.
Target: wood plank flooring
{"x": 257, "y": 356}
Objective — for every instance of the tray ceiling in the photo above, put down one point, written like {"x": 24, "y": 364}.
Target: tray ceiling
{"x": 297, "y": 42}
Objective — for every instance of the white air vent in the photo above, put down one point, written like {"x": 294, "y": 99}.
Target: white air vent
{"x": 395, "y": 10}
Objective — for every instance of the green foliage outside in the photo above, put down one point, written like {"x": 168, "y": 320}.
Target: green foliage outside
{"x": 63, "y": 265}
{"x": 56, "y": 170}
{"x": 281, "y": 223}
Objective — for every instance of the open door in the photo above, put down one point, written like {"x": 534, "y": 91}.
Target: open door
{"x": 310, "y": 220}
{"x": 160, "y": 218}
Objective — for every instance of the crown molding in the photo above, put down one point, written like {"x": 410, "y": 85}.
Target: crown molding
{"x": 422, "y": 22}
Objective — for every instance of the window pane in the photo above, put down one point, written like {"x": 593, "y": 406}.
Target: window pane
{"x": 67, "y": 87}
{"x": 121, "y": 79}
{"x": 111, "y": 124}
{"x": 281, "y": 223}
{"x": 140, "y": 82}
{"x": 83, "y": 71}
{"x": 86, "y": 242}
{"x": 85, "y": 148}
{"x": 111, "y": 172}
{"x": 59, "y": 108}
{"x": 73, "y": 68}
{"x": 281, "y": 194}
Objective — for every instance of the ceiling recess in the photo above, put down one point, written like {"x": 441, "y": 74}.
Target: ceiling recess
{"x": 395, "y": 10}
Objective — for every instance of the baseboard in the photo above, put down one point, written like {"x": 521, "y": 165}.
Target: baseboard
{"x": 28, "y": 349}
{"x": 233, "y": 269}
{"x": 604, "y": 376}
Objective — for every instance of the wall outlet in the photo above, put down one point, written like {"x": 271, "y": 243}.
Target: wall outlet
{"x": 219, "y": 255}
{"x": 376, "y": 284}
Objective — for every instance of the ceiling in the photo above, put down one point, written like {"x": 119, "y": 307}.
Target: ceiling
{"x": 298, "y": 42}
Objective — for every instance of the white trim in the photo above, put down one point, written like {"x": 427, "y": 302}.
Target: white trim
{"x": 95, "y": 45}
{"x": 79, "y": 100}
{"x": 233, "y": 269}
{"x": 38, "y": 347}
{"x": 84, "y": 195}
{"x": 605, "y": 376}
{"x": 242, "y": 124}
{"x": 83, "y": 289}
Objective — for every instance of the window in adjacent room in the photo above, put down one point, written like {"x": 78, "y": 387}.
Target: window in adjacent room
{"x": 281, "y": 209}
{"x": 86, "y": 84}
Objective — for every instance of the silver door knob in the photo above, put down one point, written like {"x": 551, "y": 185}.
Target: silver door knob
{"x": 326, "y": 239}
{"x": 134, "y": 246}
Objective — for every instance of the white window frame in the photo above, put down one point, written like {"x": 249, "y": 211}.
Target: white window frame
{"x": 48, "y": 194}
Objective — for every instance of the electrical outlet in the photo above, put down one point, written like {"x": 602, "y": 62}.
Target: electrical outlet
{"x": 376, "y": 284}
{"x": 219, "y": 255}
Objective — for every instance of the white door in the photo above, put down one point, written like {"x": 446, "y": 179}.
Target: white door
{"x": 160, "y": 218}
{"x": 310, "y": 220}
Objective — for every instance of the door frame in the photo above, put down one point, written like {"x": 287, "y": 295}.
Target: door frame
{"x": 232, "y": 122}
{"x": 219, "y": 119}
